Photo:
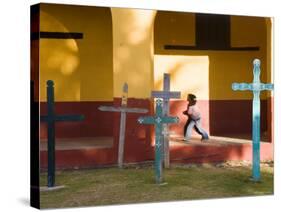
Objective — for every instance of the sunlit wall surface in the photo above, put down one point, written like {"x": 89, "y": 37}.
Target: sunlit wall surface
{"x": 133, "y": 51}
{"x": 82, "y": 69}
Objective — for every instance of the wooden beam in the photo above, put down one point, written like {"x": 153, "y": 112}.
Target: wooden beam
{"x": 183, "y": 47}
{"x": 56, "y": 35}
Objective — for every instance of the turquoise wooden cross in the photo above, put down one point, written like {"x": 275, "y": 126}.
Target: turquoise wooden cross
{"x": 166, "y": 95}
{"x": 256, "y": 87}
{"x": 158, "y": 120}
{"x": 51, "y": 118}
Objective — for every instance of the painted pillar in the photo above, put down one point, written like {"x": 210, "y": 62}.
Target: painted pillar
{"x": 269, "y": 78}
{"x": 133, "y": 51}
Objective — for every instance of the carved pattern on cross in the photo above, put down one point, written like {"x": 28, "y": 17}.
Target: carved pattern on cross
{"x": 166, "y": 95}
{"x": 158, "y": 121}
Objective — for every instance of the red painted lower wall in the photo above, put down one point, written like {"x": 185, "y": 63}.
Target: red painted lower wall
{"x": 234, "y": 116}
{"x": 96, "y": 123}
{"x": 178, "y": 154}
{"x": 222, "y": 117}
{"x": 219, "y": 117}
{"x": 138, "y": 138}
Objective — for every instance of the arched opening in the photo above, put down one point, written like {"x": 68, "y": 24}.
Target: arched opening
{"x": 188, "y": 69}
{"x": 76, "y": 52}
{"x": 187, "y": 46}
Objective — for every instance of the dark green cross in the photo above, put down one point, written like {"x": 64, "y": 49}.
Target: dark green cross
{"x": 158, "y": 120}
{"x": 51, "y": 118}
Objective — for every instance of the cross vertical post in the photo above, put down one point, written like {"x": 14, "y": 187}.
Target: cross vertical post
{"x": 51, "y": 134}
{"x": 123, "y": 110}
{"x": 166, "y": 95}
{"x": 256, "y": 87}
{"x": 122, "y": 126}
{"x": 166, "y": 109}
{"x": 51, "y": 118}
{"x": 158, "y": 145}
{"x": 158, "y": 120}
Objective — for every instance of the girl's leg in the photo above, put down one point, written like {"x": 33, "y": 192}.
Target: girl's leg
{"x": 201, "y": 130}
{"x": 185, "y": 126}
{"x": 189, "y": 130}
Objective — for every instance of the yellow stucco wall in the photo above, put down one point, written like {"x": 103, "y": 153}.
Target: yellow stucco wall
{"x": 126, "y": 45}
{"x": 133, "y": 51}
{"x": 269, "y": 52}
{"x": 209, "y": 74}
{"x": 173, "y": 28}
{"x": 82, "y": 69}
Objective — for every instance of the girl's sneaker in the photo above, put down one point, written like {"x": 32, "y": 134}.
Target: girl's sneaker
{"x": 204, "y": 139}
{"x": 185, "y": 140}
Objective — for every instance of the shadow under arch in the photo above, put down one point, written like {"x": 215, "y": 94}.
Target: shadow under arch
{"x": 186, "y": 68}
{"x": 89, "y": 84}
{"x": 225, "y": 112}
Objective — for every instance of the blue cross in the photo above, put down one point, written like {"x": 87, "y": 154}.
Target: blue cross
{"x": 51, "y": 118}
{"x": 256, "y": 87}
{"x": 158, "y": 120}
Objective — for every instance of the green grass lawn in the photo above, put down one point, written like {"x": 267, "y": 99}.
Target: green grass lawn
{"x": 136, "y": 185}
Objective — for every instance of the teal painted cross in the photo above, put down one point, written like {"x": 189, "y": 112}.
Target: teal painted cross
{"x": 256, "y": 87}
{"x": 158, "y": 120}
{"x": 166, "y": 95}
{"x": 51, "y": 118}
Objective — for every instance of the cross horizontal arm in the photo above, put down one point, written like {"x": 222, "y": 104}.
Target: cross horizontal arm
{"x": 170, "y": 119}
{"x": 110, "y": 108}
{"x": 166, "y": 94}
{"x": 252, "y": 86}
{"x": 69, "y": 117}
{"x": 241, "y": 86}
{"x": 122, "y": 109}
{"x": 267, "y": 86}
{"x": 147, "y": 120}
{"x": 134, "y": 110}
{"x": 62, "y": 118}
